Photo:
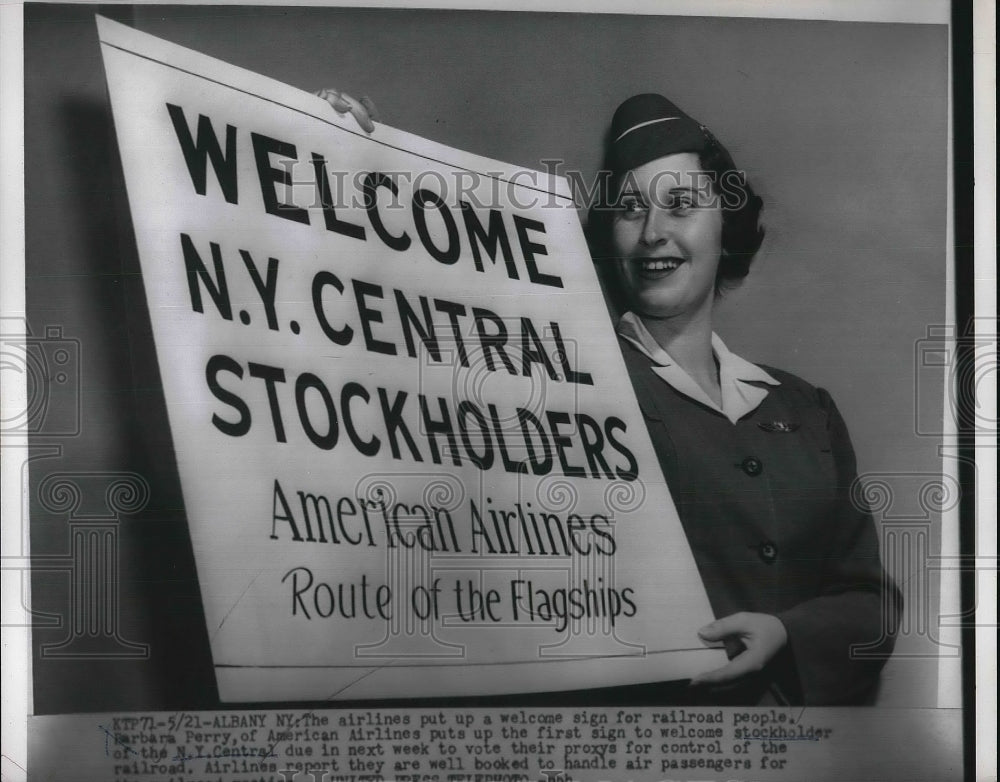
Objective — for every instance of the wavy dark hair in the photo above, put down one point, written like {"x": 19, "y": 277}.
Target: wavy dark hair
{"x": 742, "y": 232}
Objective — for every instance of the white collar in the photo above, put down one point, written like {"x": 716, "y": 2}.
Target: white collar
{"x": 736, "y": 375}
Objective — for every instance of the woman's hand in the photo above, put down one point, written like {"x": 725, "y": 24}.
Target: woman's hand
{"x": 364, "y": 110}
{"x": 761, "y": 636}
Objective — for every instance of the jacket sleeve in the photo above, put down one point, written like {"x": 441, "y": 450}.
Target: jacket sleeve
{"x": 839, "y": 640}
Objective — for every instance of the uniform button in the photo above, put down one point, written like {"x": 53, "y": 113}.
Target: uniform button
{"x": 767, "y": 552}
{"x": 752, "y": 466}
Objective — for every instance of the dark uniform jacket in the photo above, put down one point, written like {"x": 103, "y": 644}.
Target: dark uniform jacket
{"x": 767, "y": 507}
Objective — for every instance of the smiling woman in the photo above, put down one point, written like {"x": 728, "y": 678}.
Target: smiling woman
{"x": 676, "y": 236}
{"x": 758, "y": 461}
{"x": 668, "y": 240}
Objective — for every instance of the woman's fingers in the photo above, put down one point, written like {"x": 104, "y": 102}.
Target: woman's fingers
{"x": 363, "y": 117}
{"x": 362, "y": 111}
{"x": 734, "y": 624}
{"x": 334, "y": 99}
{"x": 369, "y": 104}
{"x": 761, "y": 636}
{"x": 750, "y": 661}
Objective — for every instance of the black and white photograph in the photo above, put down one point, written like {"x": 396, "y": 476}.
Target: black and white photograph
{"x": 455, "y": 393}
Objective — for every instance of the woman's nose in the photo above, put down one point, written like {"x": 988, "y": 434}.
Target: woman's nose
{"x": 655, "y": 229}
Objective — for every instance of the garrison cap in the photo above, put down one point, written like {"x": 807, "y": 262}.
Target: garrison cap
{"x": 648, "y": 126}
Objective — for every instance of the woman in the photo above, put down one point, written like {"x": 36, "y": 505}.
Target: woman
{"x": 758, "y": 461}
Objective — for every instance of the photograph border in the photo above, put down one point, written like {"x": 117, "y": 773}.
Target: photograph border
{"x": 972, "y": 316}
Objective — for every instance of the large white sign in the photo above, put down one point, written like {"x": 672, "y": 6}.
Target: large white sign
{"x": 411, "y": 458}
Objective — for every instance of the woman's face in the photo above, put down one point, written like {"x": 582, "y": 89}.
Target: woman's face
{"x": 667, "y": 237}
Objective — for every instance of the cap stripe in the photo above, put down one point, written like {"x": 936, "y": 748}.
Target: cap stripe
{"x": 644, "y": 124}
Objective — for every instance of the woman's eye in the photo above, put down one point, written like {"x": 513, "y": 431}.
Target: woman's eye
{"x": 632, "y": 206}
{"x": 680, "y": 204}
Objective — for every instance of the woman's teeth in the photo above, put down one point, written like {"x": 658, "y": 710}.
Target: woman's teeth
{"x": 658, "y": 265}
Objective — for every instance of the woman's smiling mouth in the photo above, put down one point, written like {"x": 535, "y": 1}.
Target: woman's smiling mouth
{"x": 656, "y": 268}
